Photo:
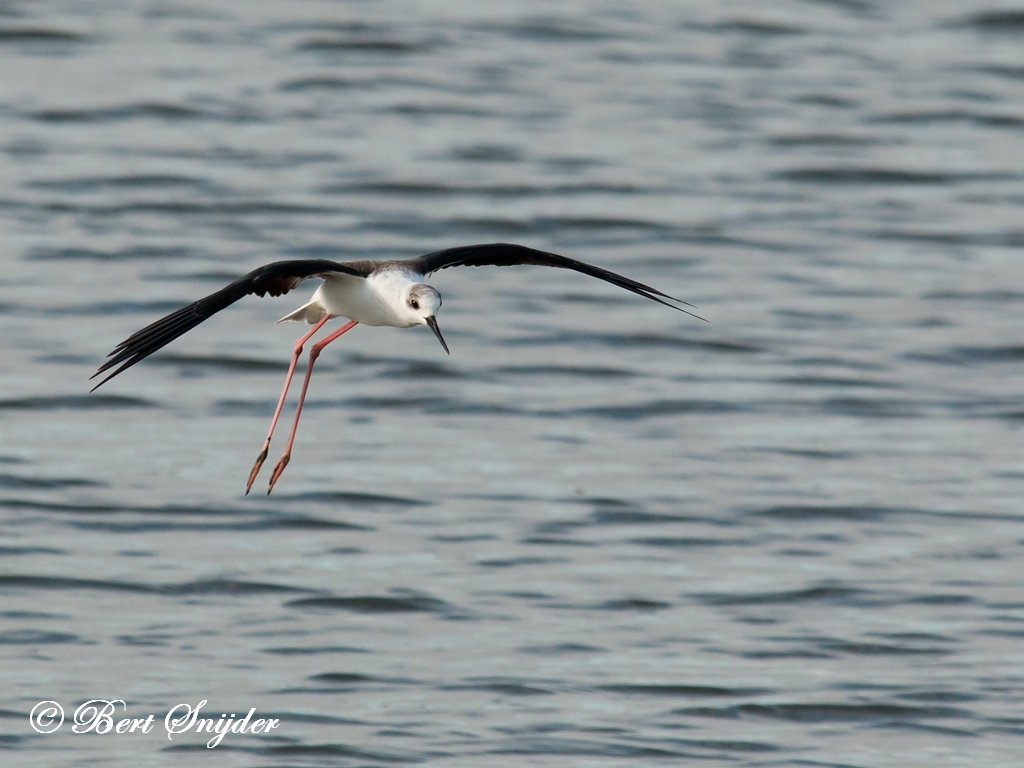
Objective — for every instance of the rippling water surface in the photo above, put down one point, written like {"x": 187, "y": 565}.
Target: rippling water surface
{"x": 601, "y": 532}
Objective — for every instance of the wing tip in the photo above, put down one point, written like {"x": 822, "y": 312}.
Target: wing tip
{"x": 685, "y": 311}
{"x": 102, "y": 381}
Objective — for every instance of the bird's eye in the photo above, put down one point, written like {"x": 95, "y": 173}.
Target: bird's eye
{"x": 414, "y": 304}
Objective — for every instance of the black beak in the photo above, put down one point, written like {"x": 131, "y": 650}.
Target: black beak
{"x": 432, "y": 322}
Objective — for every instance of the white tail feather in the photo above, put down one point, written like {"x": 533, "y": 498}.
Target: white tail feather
{"x": 312, "y": 313}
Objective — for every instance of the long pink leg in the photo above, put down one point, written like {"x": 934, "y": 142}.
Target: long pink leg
{"x": 280, "y": 403}
{"x": 314, "y": 353}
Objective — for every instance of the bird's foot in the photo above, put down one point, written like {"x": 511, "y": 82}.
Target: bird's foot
{"x": 278, "y": 469}
{"x": 256, "y": 467}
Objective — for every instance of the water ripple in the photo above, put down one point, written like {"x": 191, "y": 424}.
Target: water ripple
{"x": 602, "y": 532}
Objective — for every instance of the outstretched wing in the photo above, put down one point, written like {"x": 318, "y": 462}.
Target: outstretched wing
{"x": 507, "y": 255}
{"x": 274, "y": 280}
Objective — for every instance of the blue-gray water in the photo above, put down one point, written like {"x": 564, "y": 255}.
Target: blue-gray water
{"x": 601, "y": 533}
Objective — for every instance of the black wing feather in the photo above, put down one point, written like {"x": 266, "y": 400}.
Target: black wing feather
{"x": 508, "y": 254}
{"x": 282, "y": 276}
{"x": 273, "y": 279}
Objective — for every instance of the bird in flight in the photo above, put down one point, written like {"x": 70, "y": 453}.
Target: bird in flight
{"x": 371, "y": 292}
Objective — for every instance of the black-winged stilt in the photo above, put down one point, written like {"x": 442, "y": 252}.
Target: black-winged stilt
{"x": 371, "y": 292}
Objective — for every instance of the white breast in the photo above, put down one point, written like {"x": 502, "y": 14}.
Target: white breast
{"x": 376, "y": 300}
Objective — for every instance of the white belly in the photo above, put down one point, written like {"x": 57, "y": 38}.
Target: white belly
{"x": 371, "y": 301}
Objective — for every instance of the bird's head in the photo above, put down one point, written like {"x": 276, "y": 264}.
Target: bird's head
{"x": 422, "y": 302}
